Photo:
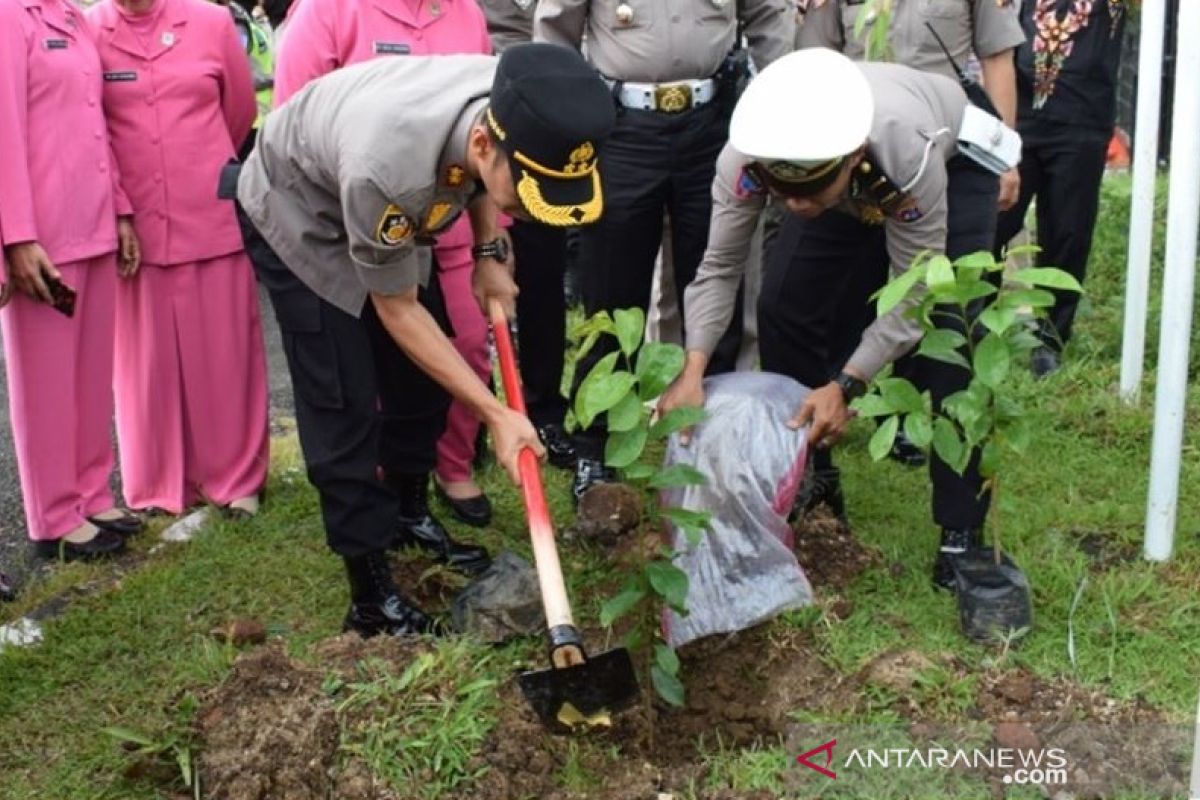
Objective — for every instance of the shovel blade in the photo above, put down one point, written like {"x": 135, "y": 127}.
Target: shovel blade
{"x": 605, "y": 683}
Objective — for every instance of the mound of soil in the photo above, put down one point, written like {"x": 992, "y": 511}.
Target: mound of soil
{"x": 827, "y": 550}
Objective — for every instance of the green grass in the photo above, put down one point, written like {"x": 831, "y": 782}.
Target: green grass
{"x": 136, "y": 652}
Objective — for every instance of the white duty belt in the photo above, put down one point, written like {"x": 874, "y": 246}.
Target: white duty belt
{"x": 668, "y": 98}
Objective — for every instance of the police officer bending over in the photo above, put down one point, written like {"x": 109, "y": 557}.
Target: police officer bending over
{"x": 865, "y": 156}
{"x": 351, "y": 181}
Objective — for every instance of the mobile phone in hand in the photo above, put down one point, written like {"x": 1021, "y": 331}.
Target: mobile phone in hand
{"x": 62, "y": 296}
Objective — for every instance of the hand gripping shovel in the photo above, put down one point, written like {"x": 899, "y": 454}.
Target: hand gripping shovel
{"x": 577, "y": 688}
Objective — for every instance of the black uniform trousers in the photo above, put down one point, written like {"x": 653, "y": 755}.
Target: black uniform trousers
{"x": 651, "y": 162}
{"x": 1062, "y": 166}
{"x": 363, "y": 408}
{"x": 815, "y": 305}
{"x": 540, "y": 252}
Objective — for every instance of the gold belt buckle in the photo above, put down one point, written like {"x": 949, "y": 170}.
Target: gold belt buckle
{"x": 673, "y": 98}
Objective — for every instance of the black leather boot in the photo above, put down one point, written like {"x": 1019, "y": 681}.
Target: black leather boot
{"x": 954, "y": 544}
{"x": 376, "y": 605}
{"x": 820, "y": 485}
{"x": 417, "y": 526}
{"x": 589, "y": 472}
{"x": 560, "y": 450}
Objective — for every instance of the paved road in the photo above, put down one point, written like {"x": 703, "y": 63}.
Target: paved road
{"x": 15, "y": 559}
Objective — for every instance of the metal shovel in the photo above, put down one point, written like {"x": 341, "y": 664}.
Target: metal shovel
{"x": 577, "y": 688}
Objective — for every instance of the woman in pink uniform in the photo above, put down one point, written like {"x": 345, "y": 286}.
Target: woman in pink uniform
{"x": 59, "y": 203}
{"x": 323, "y": 35}
{"x": 191, "y": 389}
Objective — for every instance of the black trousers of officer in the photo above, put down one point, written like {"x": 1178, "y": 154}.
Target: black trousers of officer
{"x": 1062, "y": 166}
{"x": 363, "y": 408}
{"x": 652, "y": 161}
{"x": 815, "y": 305}
{"x": 540, "y": 252}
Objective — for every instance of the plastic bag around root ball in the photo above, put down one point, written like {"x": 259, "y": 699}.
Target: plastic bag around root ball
{"x": 742, "y": 571}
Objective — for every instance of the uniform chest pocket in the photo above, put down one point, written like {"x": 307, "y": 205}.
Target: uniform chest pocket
{"x": 717, "y": 11}
{"x": 625, "y": 15}
{"x": 946, "y": 9}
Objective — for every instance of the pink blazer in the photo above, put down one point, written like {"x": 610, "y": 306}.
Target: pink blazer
{"x": 323, "y": 35}
{"x": 179, "y": 100}
{"x": 58, "y": 184}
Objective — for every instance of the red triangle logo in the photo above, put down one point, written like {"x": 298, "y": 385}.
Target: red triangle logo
{"x": 827, "y": 749}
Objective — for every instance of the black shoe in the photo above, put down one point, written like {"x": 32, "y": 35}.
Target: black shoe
{"x": 8, "y": 592}
{"x": 560, "y": 450}
{"x": 820, "y": 486}
{"x": 589, "y": 472}
{"x": 475, "y": 511}
{"x": 1043, "y": 361}
{"x": 954, "y": 544}
{"x": 376, "y": 605}
{"x": 127, "y": 525}
{"x": 905, "y": 452}
{"x": 418, "y": 527}
{"x": 103, "y": 545}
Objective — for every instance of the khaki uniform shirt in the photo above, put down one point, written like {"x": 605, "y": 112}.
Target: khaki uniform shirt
{"x": 982, "y": 27}
{"x": 666, "y": 40}
{"x": 354, "y": 176}
{"x": 917, "y": 117}
{"x": 509, "y": 21}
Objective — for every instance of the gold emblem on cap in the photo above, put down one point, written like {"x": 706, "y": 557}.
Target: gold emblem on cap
{"x": 394, "y": 226}
{"x": 455, "y": 176}
{"x": 624, "y": 14}
{"x": 530, "y": 193}
{"x": 580, "y": 160}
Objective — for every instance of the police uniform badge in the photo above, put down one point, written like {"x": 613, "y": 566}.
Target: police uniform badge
{"x": 748, "y": 185}
{"x": 439, "y": 217}
{"x": 395, "y": 227}
{"x": 455, "y": 176}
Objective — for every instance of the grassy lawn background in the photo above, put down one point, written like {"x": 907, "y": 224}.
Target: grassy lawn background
{"x": 133, "y": 651}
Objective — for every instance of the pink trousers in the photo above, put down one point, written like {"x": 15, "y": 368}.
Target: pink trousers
{"x": 456, "y": 448}
{"x": 191, "y": 384}
{"x": 60, "y": 399}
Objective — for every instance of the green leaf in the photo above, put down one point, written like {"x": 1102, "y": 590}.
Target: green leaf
{"x": 127, "y": 735}
{"x": 1016, "y": 251}
{"x": 899, "y": 287}
{"x": 669, "y": 582}
{"x": 980, "y": 259}
{"x": 666, "y": 658}
{"x": 631, "y": 329}
{"x": 624, "y": 447}
{"x": 686, "y": 518}
{"x": 997, "y": 318}
{"x": 884, "y": 437}
{"x": 1018, "y": 433}
{"x": 597, "y": 323}
{"x": 919, "y": 429}
{"x": 1050, "y": 277}
{"x": 602, "y": 369}
{"x": 626, "y": 414}
{"x": 588, "y": 343}
{"x": 607, "y": 391}
{"x": 1019, "y": 298}
{"x": 947, "y": 444}
{"x": 872, "y": 405}
{"x": 638, "y": 472}
{"x": 669, "y": 687}
{"x": 940, "y": 273}
{"x": 621, "y": 603}
{"x": 941, "y": 344}
{"x": 967, "y": 293}
{"x": 678, "y": 475}
{"x": 991, "y": 360}
{"x": 676, "y": 420}
{"x": 989, "y": 459}
{"x": 658, "y": 364}
{"x": 901, "y": 395}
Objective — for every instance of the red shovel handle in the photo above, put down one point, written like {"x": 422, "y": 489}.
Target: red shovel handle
{"x": 541, "y": 530}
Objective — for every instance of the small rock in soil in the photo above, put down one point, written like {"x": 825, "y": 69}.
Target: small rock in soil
{"x": 1018, "y": 688}
{"x": 1016, "y": 736}
{"x": 241, "y": 632}
{"x": 607, "y": 512}
{"x": 504, "y": 602}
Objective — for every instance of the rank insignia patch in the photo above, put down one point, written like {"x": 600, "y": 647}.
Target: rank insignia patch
{"x": 748, "y": 185}
{"x": 455, "y": 176}
{"x": 394, "y": 226}
{"x": 439, "y": 217}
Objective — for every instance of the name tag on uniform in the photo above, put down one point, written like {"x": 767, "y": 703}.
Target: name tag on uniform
{"x": 56, "y": 44}
{"x": 392, "y": 49}
{"x": 120, "y": 77}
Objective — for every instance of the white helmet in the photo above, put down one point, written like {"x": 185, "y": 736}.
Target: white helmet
{"x": 807, "y": 108}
